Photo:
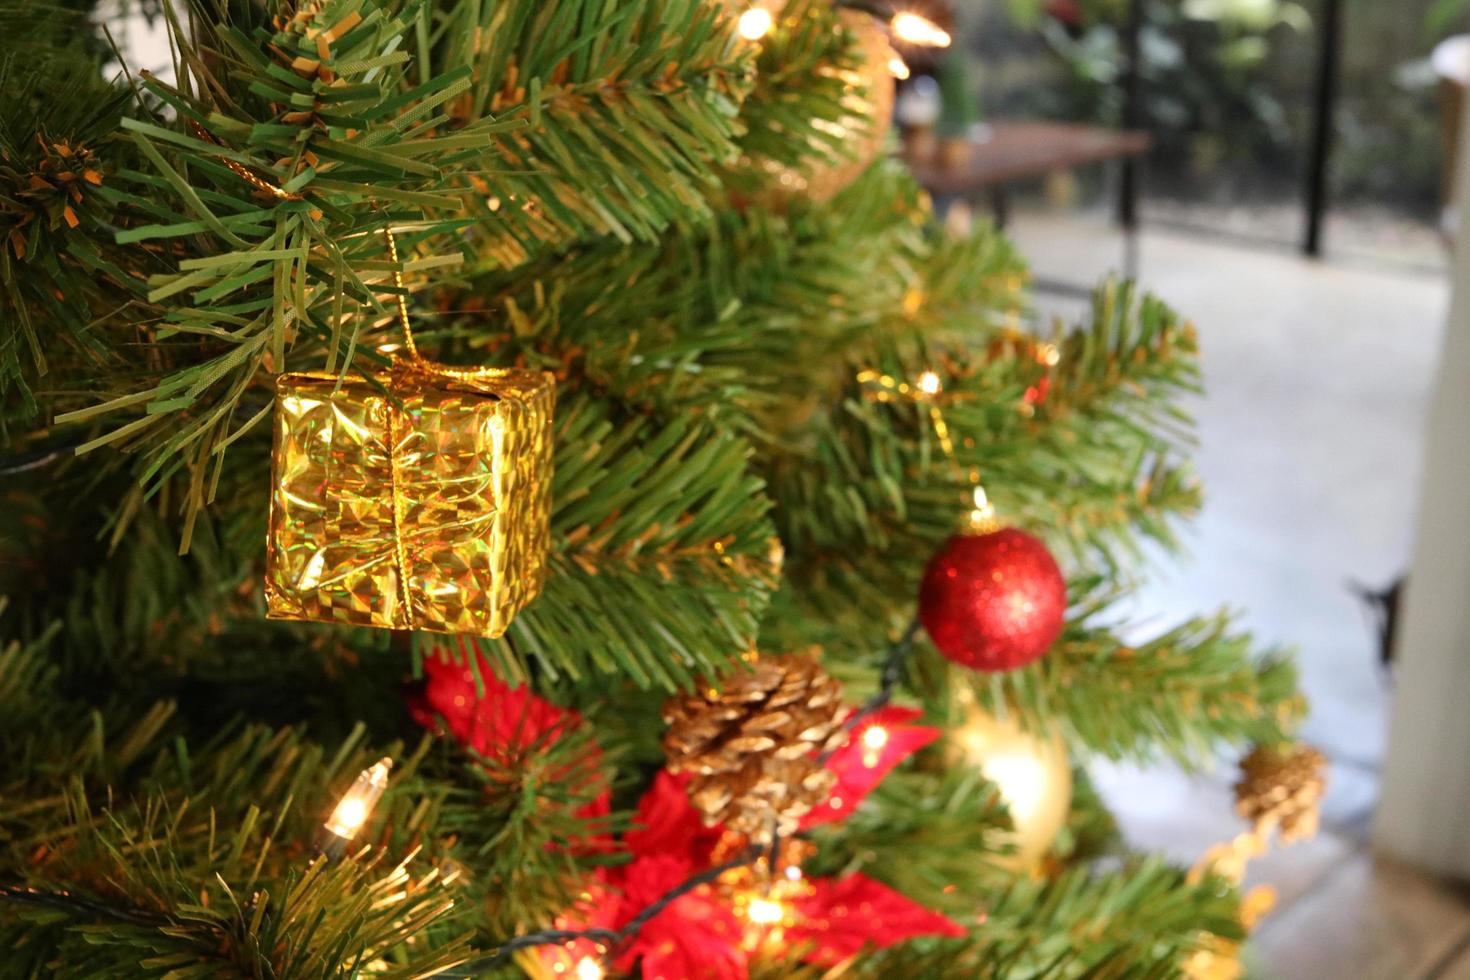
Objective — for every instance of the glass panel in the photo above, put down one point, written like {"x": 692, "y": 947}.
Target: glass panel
{"x": 1387, "y": 166}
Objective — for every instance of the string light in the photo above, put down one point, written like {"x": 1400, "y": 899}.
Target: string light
{"x": 982, "y": 516}
{"x": 356, "y": 805}
{"x": 898, "y": 68}
{"x": 589, "y": 969}
{"x": 925, "y": 390}
{"x": 765, "y": 911}
{"x": 755, "y": 23}
{"x": 875, "y": 739}
{"x": 912, "y": 29}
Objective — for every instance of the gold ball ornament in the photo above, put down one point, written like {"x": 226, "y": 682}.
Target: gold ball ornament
{"x": 870, "y": 88}
{"x": 1033, "y": 774}
{"x": 862, "y": 132}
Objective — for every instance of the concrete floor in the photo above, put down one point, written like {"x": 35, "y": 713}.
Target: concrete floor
{"x": 1318, "y": 378}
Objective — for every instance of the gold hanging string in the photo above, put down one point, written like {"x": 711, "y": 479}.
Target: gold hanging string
{"x": 925, "y": 392}
{"x": 401, "y": 297}
{"x": 410, "y": 347}
{"x": 243, "y": 172}
{"x": 400, "y": 511}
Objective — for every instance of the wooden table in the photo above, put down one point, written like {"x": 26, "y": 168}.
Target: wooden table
{"x": 1017, "y": 150}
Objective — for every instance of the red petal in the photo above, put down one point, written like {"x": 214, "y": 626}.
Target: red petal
{"x": 599, "y": 907}
{"x": 696, "y": 936}
{"x": 667, "y": 823}
{"x": 599, "y": 809}
{"x": 859, "y": 767}
{"x": 842, "y": 916}
{"x": 503, "y": 722}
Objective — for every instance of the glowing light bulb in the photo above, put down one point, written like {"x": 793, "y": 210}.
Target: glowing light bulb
{"x": 982, "y": 517}
{"x": 755, "y": 23}
{"x": 1022, "y": 780}
{"x": 589, "y": 969}
{"x": 356, "y": 805}
{"x": 874, "y": 739}
{"x": 898, "y": 68}
{"x": 929, "y": 383}
{"x": 765, "y": 911}
{"x": 350, "y": 814}
{"x": 914, "y": 29}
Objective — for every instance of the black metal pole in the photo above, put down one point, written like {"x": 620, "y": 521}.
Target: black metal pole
{"x": 1132, "y": 119}
{"x": 1329, "y": 38}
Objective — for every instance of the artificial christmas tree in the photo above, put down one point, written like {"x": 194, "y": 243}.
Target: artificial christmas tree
{"x": 770, "y": 411}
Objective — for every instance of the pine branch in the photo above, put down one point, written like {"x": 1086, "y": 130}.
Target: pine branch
{"x": 1181, "y": 694}
{"x": 204, "y": 859}
{"x": 1089, "y": 450}
{"x": 260, "y": 215}
{"x": 926, "y": 833}
{"x": 55, "y": 153}
{"x": 525, "y": 825}
{"x": 27, "y": 678}
{"x": 801, "y": 89}
{"x": 1091, "y": 833}
{"x": 1140, "y": 921}
{"x": 662, "y": 556}
{"x": 735, "y": 319}
{"x": 622, "y": 129}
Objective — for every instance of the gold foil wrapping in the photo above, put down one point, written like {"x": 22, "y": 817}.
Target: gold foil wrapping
{"x": 410, "y": 500}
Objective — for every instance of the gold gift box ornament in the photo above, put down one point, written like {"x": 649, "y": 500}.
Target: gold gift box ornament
{"x": 419, "y": 498}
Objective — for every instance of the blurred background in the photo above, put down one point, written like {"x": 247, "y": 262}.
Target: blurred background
{"x": 1279, "y": 171}
{"x": 1234, "y": 95}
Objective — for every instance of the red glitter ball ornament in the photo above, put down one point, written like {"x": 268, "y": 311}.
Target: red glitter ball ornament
{"x": 993, "y": 601}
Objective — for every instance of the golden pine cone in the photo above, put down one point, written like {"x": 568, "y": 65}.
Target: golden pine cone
{"x": 1282, "y": 787}
{"x": 751, "y": 744}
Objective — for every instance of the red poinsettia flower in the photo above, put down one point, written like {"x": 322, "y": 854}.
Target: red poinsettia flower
{"x": 1036, "y": 394}
{"x": 500, "y": 722}
{"x": 699, "y": 935}
{"x": 667, "y": 823}
{"x": 877, "y": 744}
{"x": 505, "y": 724}
{"x": 696, "y": 937}
{"x": 599, "y": 907}
{"x": 840, "y": 917}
